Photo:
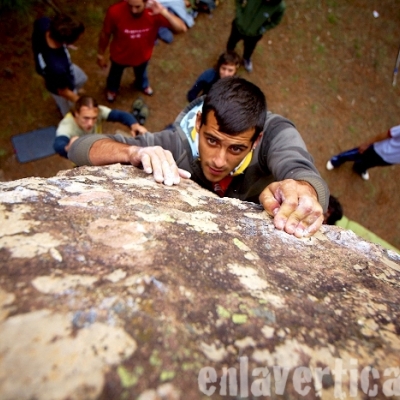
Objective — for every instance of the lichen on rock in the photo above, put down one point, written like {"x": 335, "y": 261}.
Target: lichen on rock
{"x": 114, "y": 286}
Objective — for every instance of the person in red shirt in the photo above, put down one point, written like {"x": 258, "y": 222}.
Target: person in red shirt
{"x": 132, "y": 26}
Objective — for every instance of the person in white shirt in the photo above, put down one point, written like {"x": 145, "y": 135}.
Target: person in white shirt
{"x": 87, "y": 117}
{"x": 380, "y": 151}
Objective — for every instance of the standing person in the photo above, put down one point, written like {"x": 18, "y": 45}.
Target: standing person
{"x": 87, "y": 117}
{"x": 227, "y": 65}
{"x": 227, "y": 143}
{"x": 382, "y": 150}
{"x": 253, "y": 19}
{"x": 50, "y": 39}
{"x": 133, "y": 26}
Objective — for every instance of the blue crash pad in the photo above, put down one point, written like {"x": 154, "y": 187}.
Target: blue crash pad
{"x": 34, "y": 145}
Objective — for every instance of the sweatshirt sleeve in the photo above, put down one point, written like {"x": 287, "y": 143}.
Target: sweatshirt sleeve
{"x": 275, "y": 18}
{"x": 122, "y": 117}
{"x": 204, "y": 79}
{"x": 168, "y": 140}
{"x": 284, "y": 153}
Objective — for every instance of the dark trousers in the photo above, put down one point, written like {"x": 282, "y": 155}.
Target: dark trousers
{"x": 362, "y": 162}
{"x": 115, "y": 75}
{"x": 249, "y": 42}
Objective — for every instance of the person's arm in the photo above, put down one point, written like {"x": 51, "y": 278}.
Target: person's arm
{"x": 128, "y": 120}
{"x": 299, "y": 196}
{"x": 68, "y": 94}
{"x": 68, "y": 146}
{"x": 137, "y": 129}
{"x": 195, "y": 89}
{"x": 277, "y": 16}
{"x": 108, "y": 149}
{"x": 274, "y": 20}
{"x": 377, "y": 138}
{"x": 198, "y": 86}
{"x": 154, "y": 160}
{"x": 294, "y": 206}
{"x": 67, "y": 131}
{"x": 176, "y": 24}
{"x": 61, "y": 145}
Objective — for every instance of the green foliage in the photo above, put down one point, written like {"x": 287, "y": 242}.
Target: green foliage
{"x": 95, "y": 15}
{"x": 321, "y": 48}
{"x": 332, "y": 19}
{"x": 357, "y": 48}
{"x": 352, "y": 129}
{"x": 167, "y": 375}
{"x": 168, "y": 66}
{"x": 332, "y": 3}
{"x": 16, "y": 5}
{"x": 333, "y": 84}
{"x": 314, "y": 108}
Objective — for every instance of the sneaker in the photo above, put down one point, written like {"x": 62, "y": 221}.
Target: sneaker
{"x": 248, "y": 65}
{"x": 329, "y": 165}
{"x": 111, "y": 96}
{"x": 365, "y": 175}
{"x": 144, "y": 113}
{"x": 148, "y": 91}
{"x": 136, "y": 107}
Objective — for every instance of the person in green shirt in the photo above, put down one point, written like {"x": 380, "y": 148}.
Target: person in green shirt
{"x": 253, "y": 19}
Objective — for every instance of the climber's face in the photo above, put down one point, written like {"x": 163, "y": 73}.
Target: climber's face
{"x": 86, "y": 118}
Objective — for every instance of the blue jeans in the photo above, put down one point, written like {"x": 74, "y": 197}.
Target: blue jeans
{"x": 362, "y": 162}
{"x": 115, "y": 75}
{"x": 63, "y": 104}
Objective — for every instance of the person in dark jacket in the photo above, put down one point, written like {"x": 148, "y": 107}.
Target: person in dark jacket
{"x": 227, "y": 65}
{"x": 62, "y": 78}
{"x": 227, "y": 143}
{"x": 253, "y": 19}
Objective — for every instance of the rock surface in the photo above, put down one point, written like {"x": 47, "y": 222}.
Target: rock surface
{"x": 115, "y": 287}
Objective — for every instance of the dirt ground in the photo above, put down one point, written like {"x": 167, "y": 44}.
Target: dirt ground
{"x": 328, "y": 67}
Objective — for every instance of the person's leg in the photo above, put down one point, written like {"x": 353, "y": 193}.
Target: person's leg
{"x": 142, "y": 80}
{"x": 80, "y": 76}
{"x": 165, "y": 35}
{"x": 249, "y": 44}
{"x": 114, "y": 77}
{"x": 368, "y": 159}
{"x": 62, "y": 103}
{"x": 234, "y": 38}
{"x": 339, "y": 159}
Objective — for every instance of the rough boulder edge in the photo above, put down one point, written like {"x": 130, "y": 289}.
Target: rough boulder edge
{"x": 113, "y": 286}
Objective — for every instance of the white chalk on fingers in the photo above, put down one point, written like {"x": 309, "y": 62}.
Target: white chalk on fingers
{"x": 299, "y": 232}
{"x": 185, "y": 174}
